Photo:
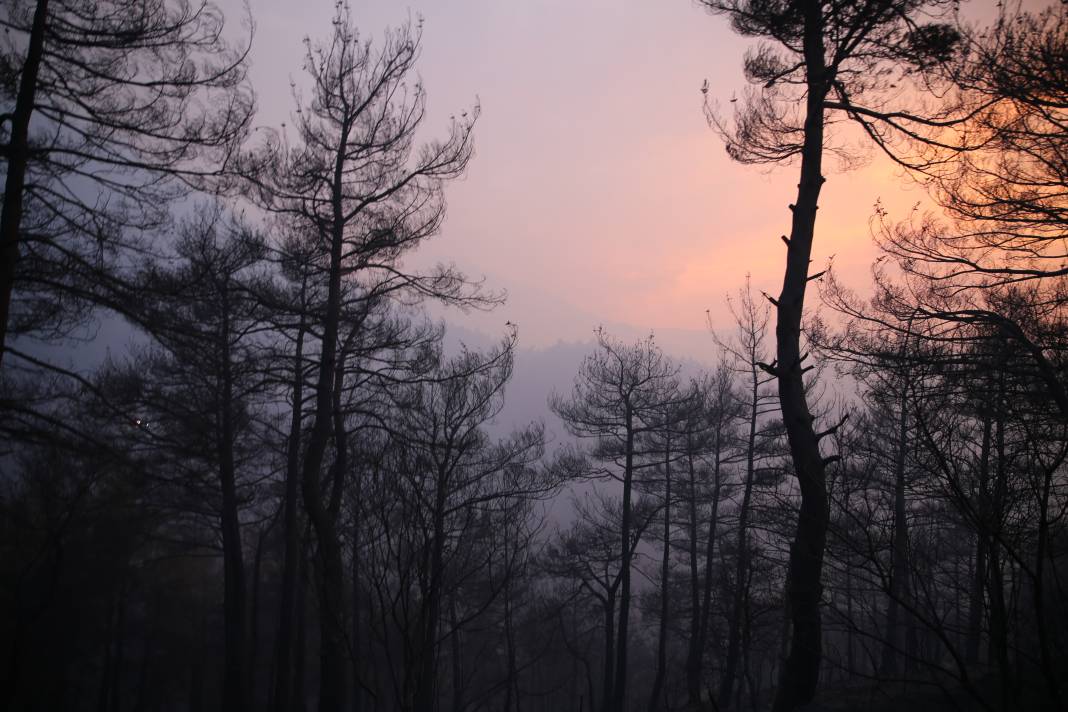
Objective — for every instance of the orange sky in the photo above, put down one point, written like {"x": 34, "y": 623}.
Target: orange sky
{"x": 598, "y": 194}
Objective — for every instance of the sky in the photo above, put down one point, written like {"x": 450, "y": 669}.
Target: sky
{"x": 598, "y": 194}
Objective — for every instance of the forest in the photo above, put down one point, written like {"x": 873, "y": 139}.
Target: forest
{"x": 285, "y": 488}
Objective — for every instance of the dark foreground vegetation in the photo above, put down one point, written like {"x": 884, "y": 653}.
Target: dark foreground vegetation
{"x": 287, "y": 493}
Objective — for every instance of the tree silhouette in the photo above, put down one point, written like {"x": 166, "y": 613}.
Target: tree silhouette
{"x": 111, "y": 111}
{"x": 358, "y": 188}
{"x": 618, "y": 397}
{"x": 821, "y": 57}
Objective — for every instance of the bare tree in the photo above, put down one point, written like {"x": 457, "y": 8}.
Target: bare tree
{"x": 457, "y": 486}
{"x": 748, "y": 351}
{"x": 959, "y": 403}
{"x": 362, "y": 192}
{"x": 708, "y": 461}
{"x": 822, "y": 57}
{"x": 110, "y": 110}
{"x": 671, "y": 443}
{"x": 1001, "y": 189}
{"x": 618, "y": 395}
{"x": 587, "y": 559}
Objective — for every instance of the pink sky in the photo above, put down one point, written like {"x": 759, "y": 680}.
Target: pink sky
{"x": 598, "y": 194}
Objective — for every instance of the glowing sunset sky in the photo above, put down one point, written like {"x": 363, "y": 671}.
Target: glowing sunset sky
{"x": 598, "y": 194}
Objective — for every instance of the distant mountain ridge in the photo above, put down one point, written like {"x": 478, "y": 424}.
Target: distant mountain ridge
{"x": 542, "y": 371}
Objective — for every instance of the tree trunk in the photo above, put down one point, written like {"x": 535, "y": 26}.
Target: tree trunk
{"x": 300, "y": 668}
{"x": 357, "y": 633}
{"x": 999, "y": 618}
{"x": 609, "y": 651}
{"x": 800, "y": 672}
{"x": 332, "y": 688}
{"x": 1046, "y": 647}
{"x": 283, "y": 698}
{"x": 233, "y": 557}
{"x": 899, "y": 576}
{"x": 18, "y": 156}
{"x": 512, "y": 685}
{"x": 665, "y": 569}
{"x": 332, "y": 653}
{"x": 619, "y": 694}
{"x": 427, "y": 654}
{"x": 457, "y": 660}
{"x": 695, "y": 668}
{"x": 730, "y": 669}
{"x": 747, "y": 644}
{"x": 693, "y": 662}
{"x": 333, "y": 645}
{"x": 251, "y": 677}
{"x": 976, "y": 603}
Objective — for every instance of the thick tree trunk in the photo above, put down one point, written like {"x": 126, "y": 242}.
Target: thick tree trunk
{"x": 18, "y": 156}
{"x": 800, "y": 672}
{"x": 342, "y": 651}
{"x": 332, "y": 652}
{"x": 333, "y": 623}
{"x": 332, "y": 687}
